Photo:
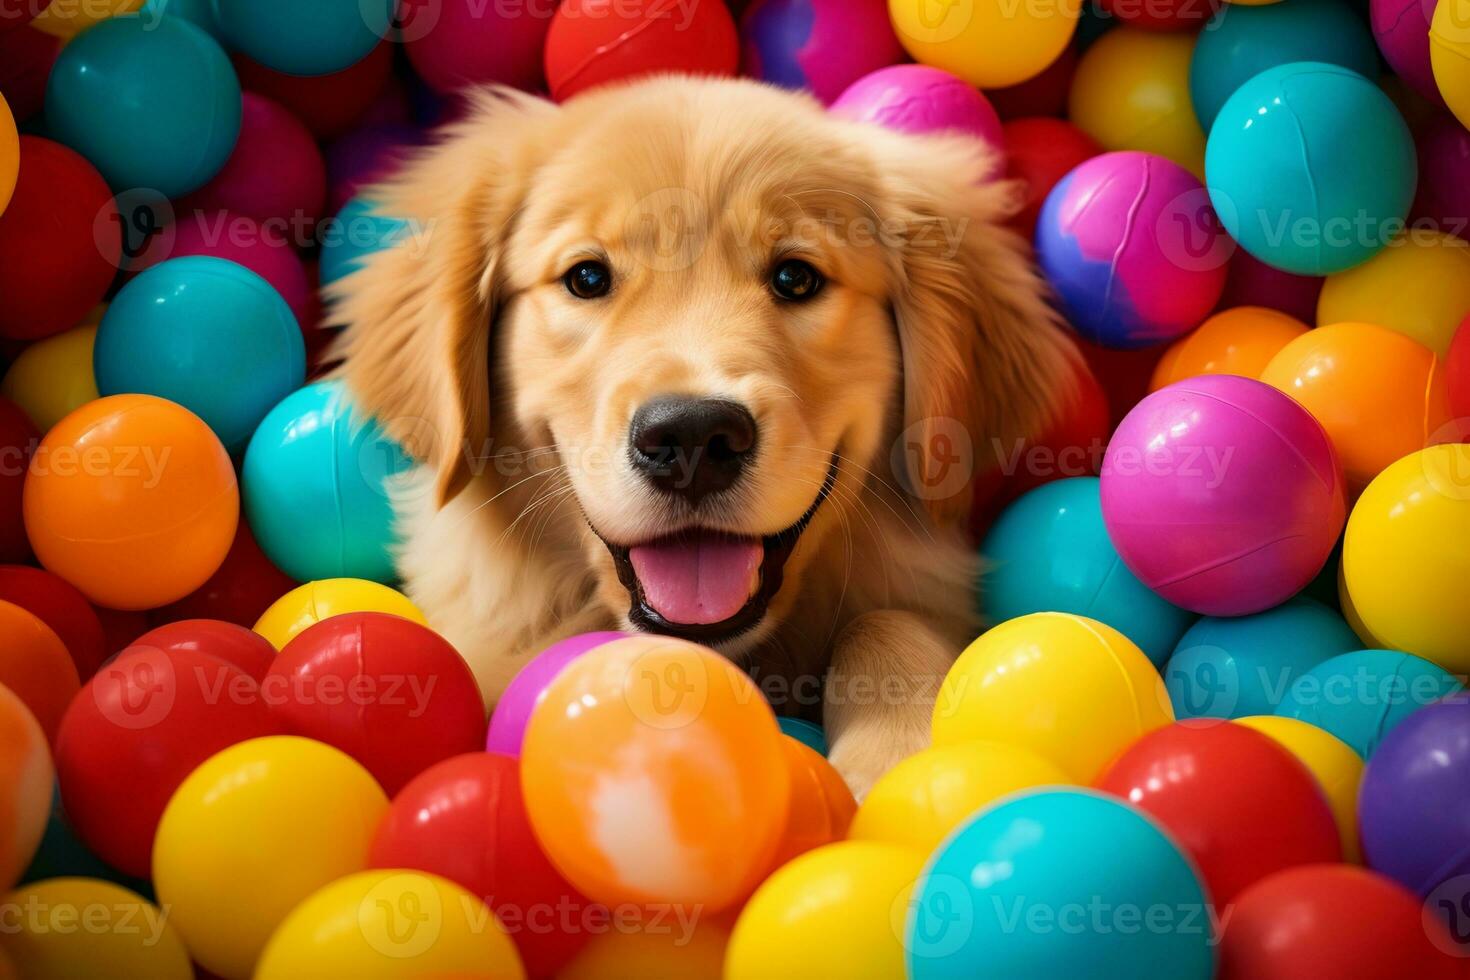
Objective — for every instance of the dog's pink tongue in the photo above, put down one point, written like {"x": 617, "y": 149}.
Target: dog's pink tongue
{"x": 695, "y": 580}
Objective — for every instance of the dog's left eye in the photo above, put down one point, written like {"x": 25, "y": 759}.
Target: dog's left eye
{"x": 795, "y": 280}
{"x": 588, "y": 280}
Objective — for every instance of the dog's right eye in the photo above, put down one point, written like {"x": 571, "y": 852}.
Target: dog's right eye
{"x": 588, "y": 280}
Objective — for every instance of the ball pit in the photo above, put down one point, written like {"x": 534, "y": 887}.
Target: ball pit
{"x": 452, "y": 45}
{"x": 1443, "y": 198}
{"x": 309, "y": 604}
{"x": 235, "y": 645}
{"x": 248, "y": 243}
{"x": 1457, "y": 371}
{"x": 53, "y": 377}
{"x": 35, "y": 666}
{"x": 820, "y": 807}
{"x": 807, "y": 733}
{"x": 67, "y": 20}
{"x": 1449, "y": 55}
{"x": 324, "y": 37}
{"x": 60, "y": 606}
{"x": 1240, "y": 340}
{"x": 244, "y": 586}
{"x": 367, "y": 156}
{"x": 9, "y": 153}
{"x": 1041, "y": 151}
{"x": 1251, "y": 282}
{"x": 1401, "y": 28}
{"x": 18, "y": 437}
{"x": 1041, "y": 95}
{"x": 666, "y": 955}
{"x": 26, "y": 778}
{"x": 528, "y": 689}
{"x": 987, "y": 46}
{"x": 356, "y": 232}
{"x": 1418, "y": 286}
{"x": 1336, "y": 767}
{"x": 18, "y": 13}
{"x": 328, "y": 105}
{"x": 121, "y": 933}
{"x": 593, "y": 42}
{"x": 920, "y": 99}
{"x": 822, "y": 46}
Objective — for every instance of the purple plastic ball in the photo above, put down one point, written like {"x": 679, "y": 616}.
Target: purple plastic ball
{"x": 920, "y": 99}
{"x": 513, "y": 710}
{"x": 1222, "y": 494}
{"x": 1414, "y": 804}
{"x": 822, "y": 46}
{"x": 1401, "y": 28}
{"x": 1443, "y": 146}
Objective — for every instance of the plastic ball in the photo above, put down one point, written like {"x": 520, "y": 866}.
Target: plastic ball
{"x": 1310, "y": 166}
{"x": 1251, "y": 282}
{"x": 1360, "y": 697}
{"x": 1132, "y": 247}
{"x": 528, "y": 689}
{"x": 455, "y": 45}
{"x": 821, "y": 806}
{"x": 1419, "y": 286}
{"x": 807, "y": 733}
{"x": 1412, "y": 806}
{"x": 592, "y": 42}
{"x": 53, "y": 377}
{"x": 250, "y": 834}
{"x": 316, "y": 487}
{"x": 1336, "y": 767}
{"x": 9, "y": 153}
{"x": 35, "y": 666}
{"x": 1246, "y": 470}
{"x": 235, "y": 645}
{"x": 835, "y": 911}
{"x": 139, "y": 727}
{"x": 1449, "y": 55}
{"x": 356, "y": 232}
{"x": 695, "y": 953}
{"x": 464, "y": 819}
{"x": 822, "y": 46}
{"x": 228, "y": 347}
{"x": 1131, "y": 92}
{"x": 1101, "y": 691}
{"x": 133, "y": 500}
{"x": 643, "y": 706}
{"x": 986, "y": 45}
{"x": 920, "y": 99}
{"x": 315, "y": 39}
{"x": 920, "y": 801}
{"x": 18, "y": 438}
{"x": 1402, "y": 557}
{"x": 63, "y": 855}
{"x": 267, "y": 252}
{"x": 1443, "y": 197}
{"x": 1240, "y": 341}
{"x": 60, "y": 242}
{"x": 1065, "y": 851}
{"x": 1040, "y": 152}
{"x": 240, "y": 591}
{"x": 1049, "y": 552}
{"x": 200, "y": 13}
{"x": 1242, "y": 665}
{"x": 67, "y": 20}
{"x": 26, "y": 57}
{"x": 390, "y": 693}
{"x": 1457, "y": 371}
{"x": 1401, "y": 28}
{"x": 83, "y": 927}
{"x": 329, "y": 105}
{"x": 1162, "y": 15}
{"x": 1041, "y": 95}
{"x": 309, "y": 604}
{"x": 152, "y": 105}
{"x": 1379, "y": 394}
{"x": 60, "y": 606}
{"x": 1242, "y": 42}
{"x": 26, "y": 778}
{"x": 18, "y": 13}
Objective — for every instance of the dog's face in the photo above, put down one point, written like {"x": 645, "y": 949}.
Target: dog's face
{"x": 713, "y": 310}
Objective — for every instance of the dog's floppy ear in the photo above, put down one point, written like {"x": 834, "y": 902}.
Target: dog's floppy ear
{"x": 415, "y": 350}
{"x": 986, "y": 360}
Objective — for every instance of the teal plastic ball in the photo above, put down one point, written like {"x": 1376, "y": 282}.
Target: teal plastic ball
{"x": 1241, "y": 666}
{"x": 315, "y": 487}
{"x": 353, "y": 234}
{"x": 208, "y": 334}
{"x": 318, "y": 37}
{"x": 1050, "y": 552}
{"x": 152, "y": 103}
{"x": 1060, "y": 883}
{"x": 1311, "y": 168}
{"x": 805, "y": 732}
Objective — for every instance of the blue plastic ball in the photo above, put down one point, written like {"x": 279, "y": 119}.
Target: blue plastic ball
{"x": 1060, "y": 883}
{"x": 208, "y": 334}
{"x": 1238, "y": 667}
{"x": 1361, "y": 696}
{"x": 1242, "y": 41}
{"x": 356, "y": 232}
{"x": 151, "y": 103}
{"x": 315, "y": 487}
{"x": 805, "y": 732}
{"x": 1050, "y": 552}
{"x": 317, "y": 37}
{"x": 1311, "y": 168}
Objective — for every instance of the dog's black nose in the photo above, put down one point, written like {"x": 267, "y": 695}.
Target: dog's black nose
{"x": 691, "y": 447}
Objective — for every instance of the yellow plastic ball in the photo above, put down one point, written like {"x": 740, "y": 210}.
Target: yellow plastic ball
{"x": 1332, "y": 761}
{"x": 1350, "y": 614}
{"x": 68, "y": 18}
{"x": 309, "y": 604}
{"x": 52, "y": 377}
{"x": 1131, "y": 92}
{"x": 1449, "y": 55}
{"x": 688, "y": 948}
{"x": 1405, "y": 556}
{"x": 1071, "y": 689}
{"x": 85, "y": 927}
{"x": 838, "y": 911}
{"x": 988, "y": 44}
{"x": 251, "y": 833}
{"x": 1418, "y": 286}
{"x": 9, "y": 153}
{"x": 385, "y": 925}
{"x": 926, "y": 796}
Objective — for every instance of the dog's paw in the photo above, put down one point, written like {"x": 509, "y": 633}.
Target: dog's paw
{"x": 861, "y": 758}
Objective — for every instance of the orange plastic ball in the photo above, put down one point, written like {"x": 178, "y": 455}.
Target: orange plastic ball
{"x": 1241, "y": 340}
{"x": 133, "y": 500}
{"x": 26, "y": 780}
{"x": 1379, "y": 395}
{"x": 821, "y": 808}
{"x": 35, "y": 666}
{"x": 654, "y": 772}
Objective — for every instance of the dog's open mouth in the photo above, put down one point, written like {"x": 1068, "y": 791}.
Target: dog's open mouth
{"x": 705, "y": 585}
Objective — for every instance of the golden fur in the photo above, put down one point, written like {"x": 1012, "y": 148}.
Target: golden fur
{"x": 932, "y": 333}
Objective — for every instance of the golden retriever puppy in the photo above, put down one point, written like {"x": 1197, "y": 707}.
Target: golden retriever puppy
{"x": 695, "y": 358}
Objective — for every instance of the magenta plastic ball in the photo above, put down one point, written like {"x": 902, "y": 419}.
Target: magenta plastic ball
{"x": 920, "y": 99}
{"x": 513, "y": 710}
{"x": 1222, "y": 494}
{"x": 822, "y": 46}
{"x": 455, "y": 43}
{"x": 1401, "y": 28}
{"x": 365, "y": 156}
{"x": 1444, "y": 174}
{"x": 263, "y": 249}
{"x": 1251, "y": 282}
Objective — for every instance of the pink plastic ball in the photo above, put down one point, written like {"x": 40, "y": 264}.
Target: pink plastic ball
{"x": 822, "y": 46}
{"x": 264, "y": 250}
{"x": 525, "y": 691}
{"x": 1222, "y": 494}
{"x": 454, "y": 43}
{"x": 1443, "y": 146}
{"x": 920, "y": 99}
{"x": 1401, "y": 28}
{"x": 1251, "y": 282}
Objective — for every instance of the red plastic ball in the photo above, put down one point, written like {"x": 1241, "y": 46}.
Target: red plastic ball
{"x": 1334, "y": 921}
{"x": 18, "y": 13}
{"x": 464, "y": 819}
{"x": 60, "y": 242}
{"x": 18, "y": 439}
{"x": 1236, "y": 801}
{"x": 239, "y": 592}
{"x": 136, "y": 731}
{"x": 592, "y": 42}
{"x": 1123, "y": 374}
{"x": 26, "y": 57}
{"x": 60, "y": 606}
{"x": 392, "y": 694}
{"x": 1044, "y": 95}
{"x": 1457, "y": 371}
{"x": 243, "y": 649}
{"x": 1162, "y": 15}
{"x": 329, "y": 105}
{"x": 1041, "y": 151}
